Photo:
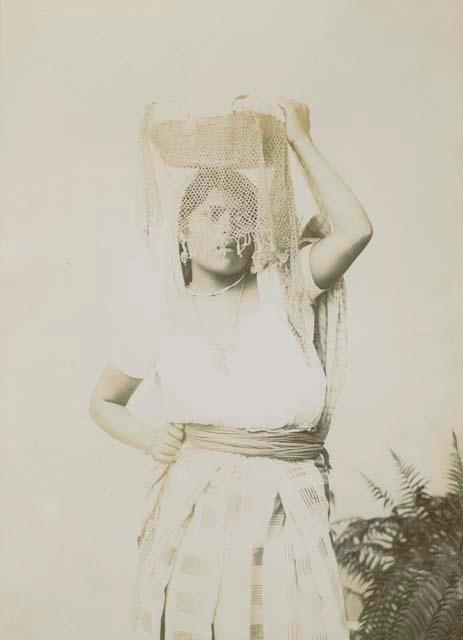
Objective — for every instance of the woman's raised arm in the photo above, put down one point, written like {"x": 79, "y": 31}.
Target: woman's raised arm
{"x": 351, "y": 229}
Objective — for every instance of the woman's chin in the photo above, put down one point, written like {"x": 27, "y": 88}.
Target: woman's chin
{"x": 226, "y": 265}
{"x": 229, "y": 256}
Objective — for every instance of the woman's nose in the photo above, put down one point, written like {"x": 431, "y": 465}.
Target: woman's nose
{"x": 225, "y": 224}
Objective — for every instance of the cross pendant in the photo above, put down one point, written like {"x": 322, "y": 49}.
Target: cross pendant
{"x": 221, "y": 356}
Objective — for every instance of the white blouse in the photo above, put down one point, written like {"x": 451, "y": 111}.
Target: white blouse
{"x": 262, "y": 382}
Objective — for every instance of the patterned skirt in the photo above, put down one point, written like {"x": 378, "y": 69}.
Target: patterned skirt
{"x": 238, "y": 548}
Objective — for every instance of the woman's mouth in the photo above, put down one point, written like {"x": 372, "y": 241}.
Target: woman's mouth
{"x": 230, "y": 246}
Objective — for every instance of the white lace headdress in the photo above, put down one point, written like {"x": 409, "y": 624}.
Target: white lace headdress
{"x": 244, "y": 153}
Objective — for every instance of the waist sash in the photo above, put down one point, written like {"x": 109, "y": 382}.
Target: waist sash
{"x": 295, "y": 445}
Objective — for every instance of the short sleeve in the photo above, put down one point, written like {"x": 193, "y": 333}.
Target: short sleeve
{"x": 136, "y": 325}
{"x": 133, "y": 348}
{"x": 304, "y": 257}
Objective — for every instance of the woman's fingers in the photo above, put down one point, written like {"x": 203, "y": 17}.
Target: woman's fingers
{"x": 176, "y": 431}
{"x": 297, "y": 118}
{"x": 169, "y": 442}
{"x": 168, "y": 451}
{"x": 172, "y": 441}
{"x": 165, "y": 453}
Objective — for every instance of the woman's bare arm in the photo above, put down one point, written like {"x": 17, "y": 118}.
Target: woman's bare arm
{"x": 108, "y": 409}
{"x": 351, "y": 229}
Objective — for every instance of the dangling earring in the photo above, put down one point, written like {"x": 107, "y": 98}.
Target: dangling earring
{"x": 186, "y": 270}
{"x": 184, "y": 256}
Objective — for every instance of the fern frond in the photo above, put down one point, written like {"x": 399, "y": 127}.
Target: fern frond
{"x": 455, "y": 474}
{"x": 449, "y": 614}
{"x": 412, "y": 483}
{"x": 409, "y": 563}
{"x": 421, "y": 601}
{"x": 382, "y": 600}
{"x": 380, "y": 494}
{"x": 456, "y": 631}
{"x": 365, "y": 547}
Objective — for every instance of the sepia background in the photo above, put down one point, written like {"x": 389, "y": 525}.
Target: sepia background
{"x": 383, "y": 82}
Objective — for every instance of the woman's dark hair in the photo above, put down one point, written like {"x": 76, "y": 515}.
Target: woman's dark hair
{"x": 205, "y": 180}
{"x": 230, "y": 180}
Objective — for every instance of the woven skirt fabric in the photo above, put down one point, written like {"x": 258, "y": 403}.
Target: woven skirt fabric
{"x": 243, "y": 561}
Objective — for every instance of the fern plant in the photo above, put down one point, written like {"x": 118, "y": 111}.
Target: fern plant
{"x": 409, "y": 562}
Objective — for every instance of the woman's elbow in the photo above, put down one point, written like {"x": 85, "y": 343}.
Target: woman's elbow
{"x": 359, "y": 237}
{"x": 113, "y": 387}
{"x": 366, "y": 235}
{"x": 360, "y": 230}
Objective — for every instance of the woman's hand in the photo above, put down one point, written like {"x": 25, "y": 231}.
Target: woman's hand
{"x": 167, "y": 442}
{"x": 297, "y": 118}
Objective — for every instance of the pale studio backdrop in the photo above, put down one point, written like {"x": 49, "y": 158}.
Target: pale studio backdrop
{"x": 385, "y": 91}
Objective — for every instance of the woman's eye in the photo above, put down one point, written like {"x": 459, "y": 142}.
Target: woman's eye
{"x": 219, "y": 214}
{"x": 211, "y": 213}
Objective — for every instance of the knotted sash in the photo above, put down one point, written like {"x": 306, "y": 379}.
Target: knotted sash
{"x": 290, "y": 446}
{"x": 299, "y": 445}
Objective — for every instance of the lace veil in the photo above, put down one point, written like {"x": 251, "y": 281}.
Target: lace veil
{"x": 244, "y": 153}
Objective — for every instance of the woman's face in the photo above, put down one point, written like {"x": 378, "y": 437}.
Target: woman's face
{"x": 212, "y": 225}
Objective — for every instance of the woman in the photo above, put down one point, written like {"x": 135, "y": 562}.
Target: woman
{"x": 235, "y": 543}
